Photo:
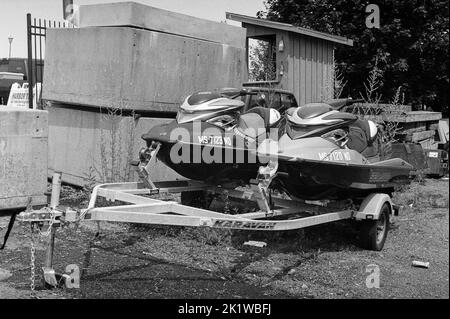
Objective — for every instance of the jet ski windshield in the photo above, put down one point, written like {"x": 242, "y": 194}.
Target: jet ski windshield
{"x": 300, "y": 131}
{"x": 206, "y": 105}
{"x": 313, "y": 110}
{"x": 202, "y": 97}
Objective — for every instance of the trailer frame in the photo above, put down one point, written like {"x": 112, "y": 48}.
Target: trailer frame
{"x": 274, "y": 213}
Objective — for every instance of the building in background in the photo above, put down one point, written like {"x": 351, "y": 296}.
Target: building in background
{"x": 11, "y": 71}
{"x": 303, "y": 59}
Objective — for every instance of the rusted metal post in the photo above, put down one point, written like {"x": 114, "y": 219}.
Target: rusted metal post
{"x": 56, "y": 190}
{"x": 30, "y": 62}
{"x": 54, "y": 201}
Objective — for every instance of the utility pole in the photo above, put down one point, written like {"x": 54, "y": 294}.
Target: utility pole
{"x": 10, "y": 39}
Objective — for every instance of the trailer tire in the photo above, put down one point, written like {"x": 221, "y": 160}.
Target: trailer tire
{"x": 373, "y": 233}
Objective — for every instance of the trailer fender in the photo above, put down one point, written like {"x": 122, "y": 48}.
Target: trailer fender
{"x": 371, "y": 206}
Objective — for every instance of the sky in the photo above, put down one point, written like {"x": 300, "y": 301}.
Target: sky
{"x": 13, "y": 15}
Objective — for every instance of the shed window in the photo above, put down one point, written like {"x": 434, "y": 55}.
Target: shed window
{"x": 262, "y": 59}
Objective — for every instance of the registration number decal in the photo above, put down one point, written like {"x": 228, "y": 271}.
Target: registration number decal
{"x": 335, "y": 156}
{"x": 214, "y": 140}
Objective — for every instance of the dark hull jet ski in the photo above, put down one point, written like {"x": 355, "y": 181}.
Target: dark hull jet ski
{"x": 325, "y": 153}
{"x": 210, "y": 140}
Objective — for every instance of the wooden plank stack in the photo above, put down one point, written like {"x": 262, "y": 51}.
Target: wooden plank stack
{"x": 420, "y": 127}
{"x": 413, "y": 126}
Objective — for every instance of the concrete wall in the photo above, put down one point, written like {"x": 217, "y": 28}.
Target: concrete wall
{"x": 148, "y": 70}
{"x": 23, "y": 157}
{"x": 83, "y": 144}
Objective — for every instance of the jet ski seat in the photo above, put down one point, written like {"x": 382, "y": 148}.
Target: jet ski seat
{"x": 257, "y": 121}
{"x": 362, "y": 136}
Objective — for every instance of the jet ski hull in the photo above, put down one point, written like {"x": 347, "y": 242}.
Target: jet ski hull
{"x": 310, "y": 179}
{"x": 314, "y": 168}
{"x": 202, "y": 151}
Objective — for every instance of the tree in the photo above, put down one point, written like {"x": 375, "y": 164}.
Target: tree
{"x": 262, "y": 60}
{"x": 411, "y": 46}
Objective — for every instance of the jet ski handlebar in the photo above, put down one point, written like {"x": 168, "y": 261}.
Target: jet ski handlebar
{"x": 339, "y": 104}
{"x": 242, "y": 93}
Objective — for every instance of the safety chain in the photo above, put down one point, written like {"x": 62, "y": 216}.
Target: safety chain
{"x": 33, "y": 262}
{"x": 33, "y": 249}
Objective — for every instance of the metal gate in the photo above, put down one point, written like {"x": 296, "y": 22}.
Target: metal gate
{"x": 36, "y": 33}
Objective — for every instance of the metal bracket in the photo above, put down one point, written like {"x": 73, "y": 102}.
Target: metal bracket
{"x": 143, "y": 168}
{"x": 43, "y": 215}
{"x": 260, "y": 186}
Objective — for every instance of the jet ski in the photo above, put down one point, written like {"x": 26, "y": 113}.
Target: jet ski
{"x": 326, "y": 153}
{"x": 211, "y": 140}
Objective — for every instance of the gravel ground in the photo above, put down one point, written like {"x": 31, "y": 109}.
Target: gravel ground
{"x": 127, "y": 261}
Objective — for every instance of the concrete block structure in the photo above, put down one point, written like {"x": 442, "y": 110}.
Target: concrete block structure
{"x": 147, "y": 70}
{"x": 149, "y": 58}
{"x": 136, "y": 15}
{"x": 92, "y": 147}
{"x": 23, "y": 157}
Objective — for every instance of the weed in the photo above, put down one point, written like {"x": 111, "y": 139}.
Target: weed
{"x": 117, "y": 135}
{"x": 334, "y": 83}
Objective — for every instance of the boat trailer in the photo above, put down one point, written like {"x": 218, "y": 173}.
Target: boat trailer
{"x": 138, "y": 205}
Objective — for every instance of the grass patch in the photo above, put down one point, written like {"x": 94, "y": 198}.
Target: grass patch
{"x": 422, "y": 194}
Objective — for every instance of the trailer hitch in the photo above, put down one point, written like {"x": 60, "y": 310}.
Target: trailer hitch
{"x": 42, "y": 215}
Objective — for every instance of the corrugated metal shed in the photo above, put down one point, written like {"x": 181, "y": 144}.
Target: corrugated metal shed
{"x": 307, "y": 58}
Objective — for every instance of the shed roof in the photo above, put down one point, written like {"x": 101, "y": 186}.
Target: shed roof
{"x": 288, "y": 27}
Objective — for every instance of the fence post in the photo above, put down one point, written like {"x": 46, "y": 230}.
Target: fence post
{"x": 30, "y": 63}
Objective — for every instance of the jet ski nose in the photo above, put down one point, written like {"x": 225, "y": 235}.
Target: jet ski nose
{"x": 159, "y": 133}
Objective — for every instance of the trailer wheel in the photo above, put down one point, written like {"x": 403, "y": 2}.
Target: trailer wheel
{"x": 373, "y": 233}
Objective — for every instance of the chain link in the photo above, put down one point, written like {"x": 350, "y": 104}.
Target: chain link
{"x": 50, "y": 224}
{"x": 33, "y": 262}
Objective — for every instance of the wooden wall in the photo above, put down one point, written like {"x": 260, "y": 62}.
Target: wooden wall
{"x": 309, "y": 65}
{"x": 307, "y": 61}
